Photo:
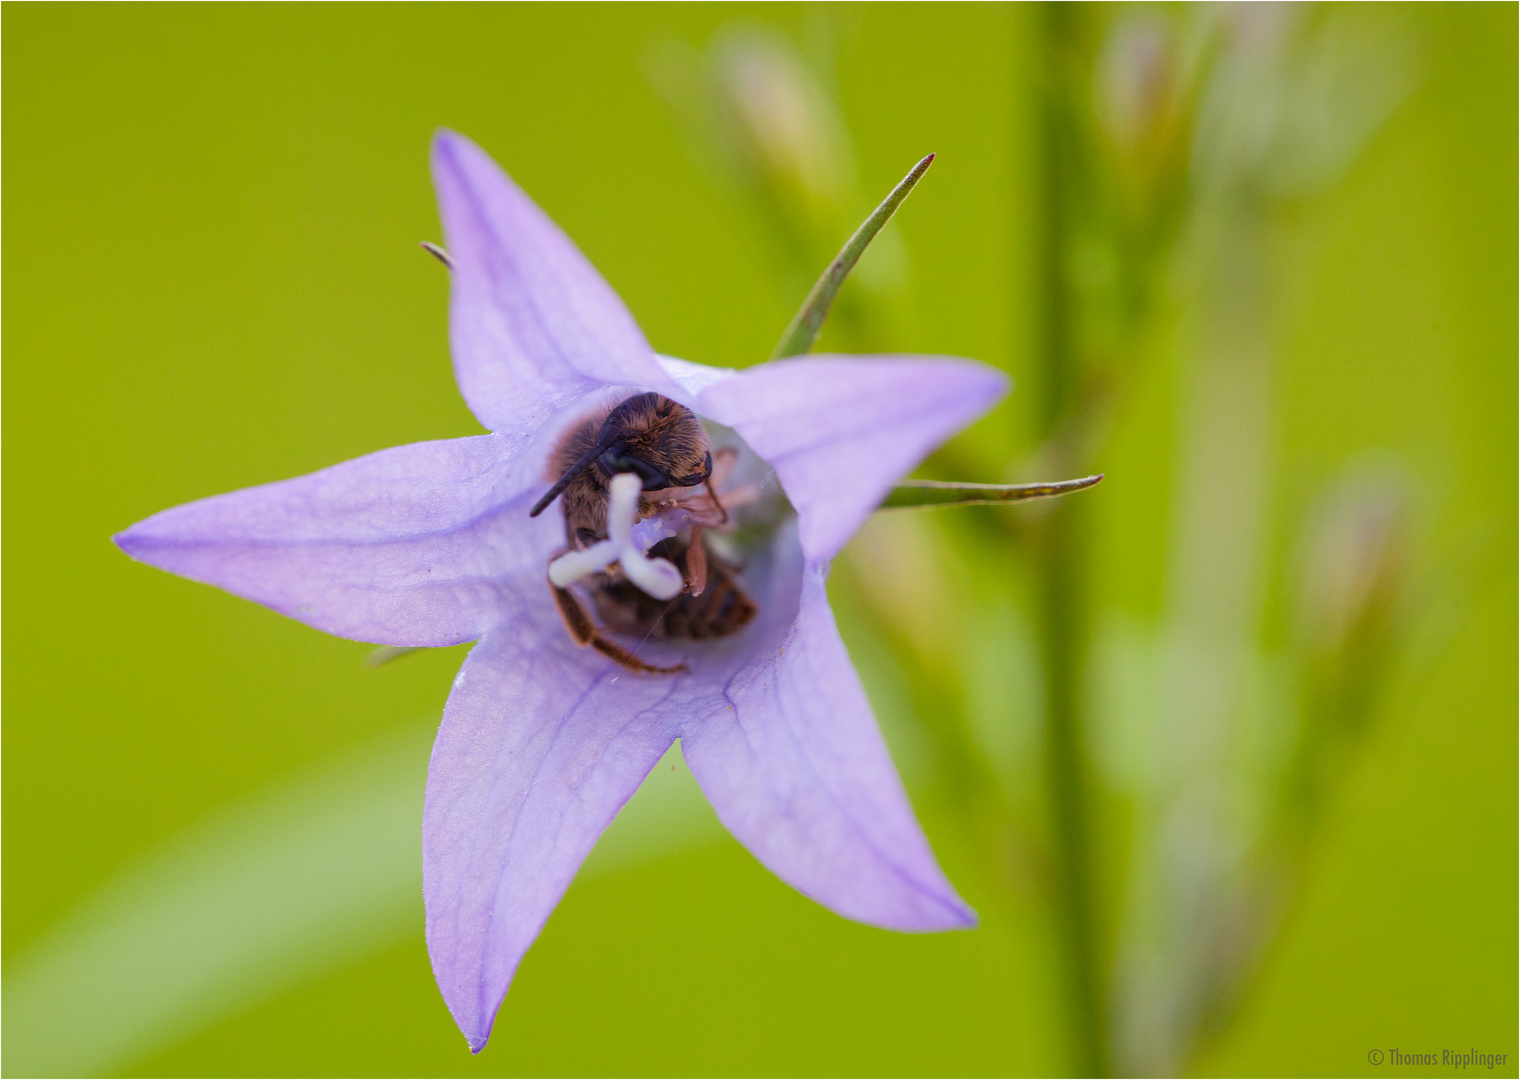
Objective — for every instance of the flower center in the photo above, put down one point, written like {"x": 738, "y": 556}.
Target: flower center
{"x": 657, "y": 577}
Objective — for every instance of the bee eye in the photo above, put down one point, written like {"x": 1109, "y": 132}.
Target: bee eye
{"x": 697, "y": 477}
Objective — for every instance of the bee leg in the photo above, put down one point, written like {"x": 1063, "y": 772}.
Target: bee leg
{"x": 696, "y": 563}
{"x": 584, "y": 632}
{"x": 713, "y": 494}
{"x": 724, "y": 459}
{"x": 613, "y": 651}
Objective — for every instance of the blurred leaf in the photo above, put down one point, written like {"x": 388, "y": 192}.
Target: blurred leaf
{"x": 808, "y": 322}
{"x": 311, "y": 874}
{"x": 919, "y": 494}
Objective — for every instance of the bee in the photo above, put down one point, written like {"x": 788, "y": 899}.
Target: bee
{"x": 664, "y": 444}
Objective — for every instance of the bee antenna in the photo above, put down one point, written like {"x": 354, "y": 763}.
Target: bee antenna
{"x": 602, "y": 444}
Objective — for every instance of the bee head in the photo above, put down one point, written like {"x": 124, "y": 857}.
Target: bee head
{"x": 659, "y": 440}
{"x": 621, "y": 458}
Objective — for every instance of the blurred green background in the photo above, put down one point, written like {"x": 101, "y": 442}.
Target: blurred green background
{"x": 211, "y": 814}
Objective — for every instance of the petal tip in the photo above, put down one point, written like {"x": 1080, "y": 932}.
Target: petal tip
{"x": 954, "y": 914}
{"x": 129, "y": 541}
{"x": 447, "y": 137}
{"x": 452, "y": 151}
{"x": 998, "y": 383}
{"x": 477, "y": 1035}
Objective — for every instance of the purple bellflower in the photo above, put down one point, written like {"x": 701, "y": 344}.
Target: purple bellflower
{"x": 542, "y": 741}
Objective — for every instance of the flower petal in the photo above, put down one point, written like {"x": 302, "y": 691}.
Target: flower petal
{"x": 408, "y": 546}
{"x": 541, "y": 744}
{"x": 841, "y": 430}
{"x": 531, "y": 322}
{"x": 694, "y": 378}
{"x": 796, "y": 769}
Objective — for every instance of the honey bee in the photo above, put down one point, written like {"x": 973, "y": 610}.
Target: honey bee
{"x": 665, "y": 445}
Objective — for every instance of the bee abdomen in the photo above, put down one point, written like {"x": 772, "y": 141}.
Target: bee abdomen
{"x": 722, "y": 609}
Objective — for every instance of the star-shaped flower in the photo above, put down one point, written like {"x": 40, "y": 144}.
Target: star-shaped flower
{"x": 543, "y": 741}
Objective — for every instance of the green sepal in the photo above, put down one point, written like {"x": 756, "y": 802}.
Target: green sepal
{"x": 919, "y": 494}
{"x": 807, "y": 323}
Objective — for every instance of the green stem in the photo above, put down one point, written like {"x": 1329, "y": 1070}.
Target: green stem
{"x": 1059, "y": 554}
{"x": 808, "y": 322}
{"x": 1063, "y": 638}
